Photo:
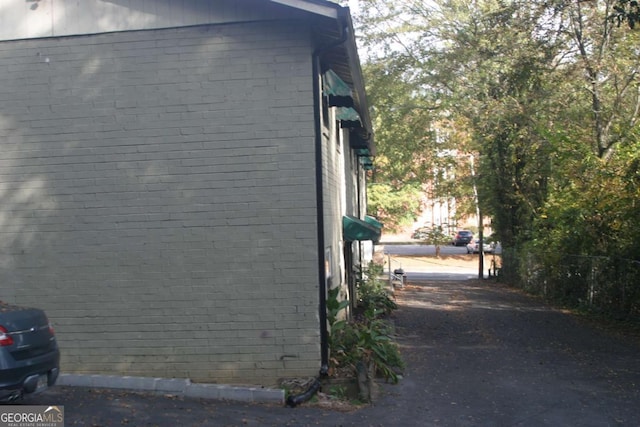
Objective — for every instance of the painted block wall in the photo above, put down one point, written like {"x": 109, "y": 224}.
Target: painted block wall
{"x": 157, "y": 199}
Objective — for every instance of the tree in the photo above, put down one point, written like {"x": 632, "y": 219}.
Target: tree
{"x": 437, "y": 237}
{"x": 527, "y": 82}
{"x": 410, "y": 137}
{"x": 477, "y": 79}
{"x": 545, "y": 93}
{"x": 625, "y": 11}
{"x": 606, "y": 62}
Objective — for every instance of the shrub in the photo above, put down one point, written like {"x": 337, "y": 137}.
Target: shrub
{"x": 366, "y": 339}
{"x": 371, "y": 291}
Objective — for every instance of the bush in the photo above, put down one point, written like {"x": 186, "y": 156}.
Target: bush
{"x": 372, "y": 294}
{"x": 366, "y": 338}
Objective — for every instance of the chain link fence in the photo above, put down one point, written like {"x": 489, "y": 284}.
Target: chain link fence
{"x": 605, "y": 284}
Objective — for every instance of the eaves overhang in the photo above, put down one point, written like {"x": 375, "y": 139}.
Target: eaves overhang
{"x": 323, "y": 8}
{"x": 345, "y": 62}
{"x": 333, "y": 23}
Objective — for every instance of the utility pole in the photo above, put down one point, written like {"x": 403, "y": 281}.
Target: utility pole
{"x": 480, "y": 224}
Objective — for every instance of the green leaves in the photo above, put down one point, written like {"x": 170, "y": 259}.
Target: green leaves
{"x": 393, "y": 206}
{"x": 596, "y": 213}
{"x": 544, "y": 94}
{"x": 626, "y": 11}
{"x": 367, "y": 337}
{"x": 335, "y": 306}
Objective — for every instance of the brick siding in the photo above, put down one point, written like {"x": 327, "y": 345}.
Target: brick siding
{"x": 158, "y": 200}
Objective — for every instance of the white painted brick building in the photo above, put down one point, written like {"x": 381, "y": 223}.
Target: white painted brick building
{"x": 158, "y": 181}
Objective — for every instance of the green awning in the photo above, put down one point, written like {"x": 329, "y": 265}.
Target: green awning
{"x": 371, "y": 220}
{"x": 355, "y": 229}
{"x": 347, "y": 114}
{"x": 366, "y": 163}
{"x": 332, "y": 84}
{"x": 340, "y": 96}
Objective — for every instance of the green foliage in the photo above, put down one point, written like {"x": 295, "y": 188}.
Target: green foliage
{"x": 372, "y": 295}
{"x": 393, "y": 206}
{"x": 334, "y": 307}
{"x": 338, "y": 391}
{"x": 367, "y": 341}
{"x": 435, "y": 236}
{"x": 544, "y": 95}
{"x": 626, "y": 11}
{"x": 598, "y": 213}
{"x": 368, "y": 337}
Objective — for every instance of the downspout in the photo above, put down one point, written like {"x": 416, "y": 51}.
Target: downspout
{"x": 293, "y": 401}
{"x": 359, "y": 195}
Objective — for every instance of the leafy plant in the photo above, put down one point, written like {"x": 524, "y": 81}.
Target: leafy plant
{"x": 334, "y": 307}
{"x": 338, "y": 391}
{"x": 371, "y": 291}
{"x": 366, "y": 339}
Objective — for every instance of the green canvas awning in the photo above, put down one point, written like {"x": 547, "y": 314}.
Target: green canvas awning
{"x": 366, "y": 163}
{"x": 346, "y": 114}
{"x": 371, "y": 220}
{"x": 355, "y": 229}
{"x": 339, "y": 95}
{"x": 332, "y": 84}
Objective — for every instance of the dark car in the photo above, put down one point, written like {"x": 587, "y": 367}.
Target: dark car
{"x": 462, "y": 238}
{"x": 29, "y": 354}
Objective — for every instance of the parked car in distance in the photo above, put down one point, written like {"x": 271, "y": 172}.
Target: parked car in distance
{"x": 462, "y": 237}
{"x": 29, "y": 354}
{"x": 474, "y": 247}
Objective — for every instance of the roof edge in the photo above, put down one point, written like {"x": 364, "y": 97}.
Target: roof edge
{"x": 326, "y": 9}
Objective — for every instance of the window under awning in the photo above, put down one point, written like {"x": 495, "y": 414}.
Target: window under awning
{"x": 355, "y": 229}
{"x": 348, "y": 117}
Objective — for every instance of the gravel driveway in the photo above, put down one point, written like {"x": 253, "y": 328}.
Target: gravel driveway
{"x": 478, "y": 354}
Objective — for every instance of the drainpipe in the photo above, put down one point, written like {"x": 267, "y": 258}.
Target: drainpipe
{"x": 324, "y": 332}
{"x": 359, "y": 170}
{"x": 293, "y": 401}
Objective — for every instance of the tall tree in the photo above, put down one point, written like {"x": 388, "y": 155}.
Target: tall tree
{"x": 471, "y": 64}
{"x": 532, "y": 82}
{"x": 604, "y": 60}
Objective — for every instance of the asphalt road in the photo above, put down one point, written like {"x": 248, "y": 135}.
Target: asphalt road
{"x": 478, "y": 354}
{"x": 420, "y": 250}
{"x": 419, "y": 262}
